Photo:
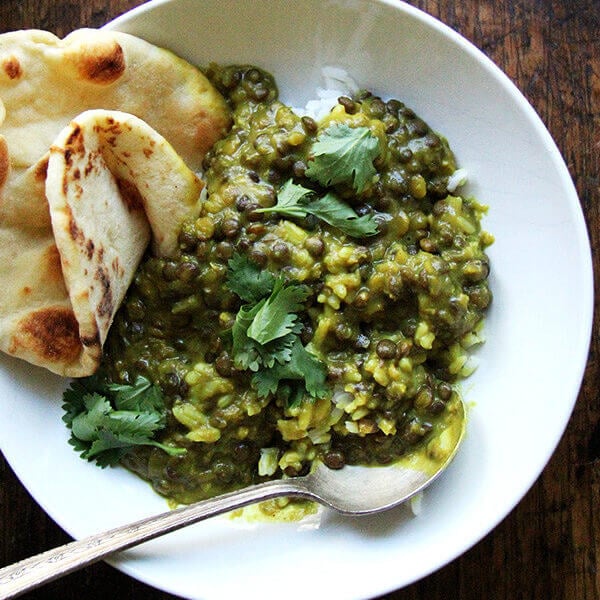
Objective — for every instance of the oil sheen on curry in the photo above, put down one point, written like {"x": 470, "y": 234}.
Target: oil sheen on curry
{"x": 323, "y": 305}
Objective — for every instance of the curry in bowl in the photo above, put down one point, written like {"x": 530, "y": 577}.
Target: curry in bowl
{"x": 305, "y": 318}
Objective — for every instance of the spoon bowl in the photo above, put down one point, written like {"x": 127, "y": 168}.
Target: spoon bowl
{"x": 352, "y": 490}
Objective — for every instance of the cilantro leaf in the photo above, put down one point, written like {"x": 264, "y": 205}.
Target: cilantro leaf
{"x": 277, "y": 315}
{"x": 86, "y": 423}
{"x": 108, "y": 420}
{"x": 250, "y": 353}
{"x": 122, "y": 431}
{"x": 303, "y": 366}
{"x": 141, "y": 396}
{"x": 291, "y": 200}
{"x": 294, "y": 201}
{"x": 265, "y": 339}
{"x": 254, "y": 356}
{"x": 246, "y": 351}
{"x": 73, "y": 396}
{"x": 339, "y": 214}
{"x": 247, "y": 279}
{"x": 344, "y": 154}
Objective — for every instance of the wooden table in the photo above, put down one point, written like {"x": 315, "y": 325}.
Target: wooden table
{"x": 548, "y": 548}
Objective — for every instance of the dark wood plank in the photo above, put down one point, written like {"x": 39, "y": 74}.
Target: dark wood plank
{"x": 549, "y": 546}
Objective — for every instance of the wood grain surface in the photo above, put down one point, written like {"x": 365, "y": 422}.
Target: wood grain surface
{"x": 548, "y": 548}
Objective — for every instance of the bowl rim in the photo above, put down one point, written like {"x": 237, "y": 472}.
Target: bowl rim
{"x": 586, "y": 295}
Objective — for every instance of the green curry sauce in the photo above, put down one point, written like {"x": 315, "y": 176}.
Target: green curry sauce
{"x": 389, "y": 317}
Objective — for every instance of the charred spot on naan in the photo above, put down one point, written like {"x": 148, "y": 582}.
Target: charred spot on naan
{"x": 106, "y": 306}
{"x": 92, "y": 341}
{"x": 75, "y": 232}
{"x": 89, "y": 249}
{"x": 130, "y": 195}
{"x": 117, "y": 268}
{"x": 74, "y": 145}
{"x": 51, "y": 333}
{"x": 12, "y": 67}
{"x": 75, "y": 140}
{"x": 85, "y": 244}
{"x": 113, "y": 127}
{"x": 102, "y": 62}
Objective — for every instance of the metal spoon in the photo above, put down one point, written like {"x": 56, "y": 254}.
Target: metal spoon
{"x": 350, "y": 491}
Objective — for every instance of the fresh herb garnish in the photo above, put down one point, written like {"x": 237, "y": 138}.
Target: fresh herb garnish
{"x": 108, "y": 420}
{"x": 248, "y": 281}
{"x": 266, "y": 333}
{"x": 277, "y": 316}
{"x": 344, "y": 154}
{"x": 302, "y": 366}
{"x": 250, "y": 354}
{"x": 296, "y": 201}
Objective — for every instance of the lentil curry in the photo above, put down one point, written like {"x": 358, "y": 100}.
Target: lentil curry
{"x": 383, "y": 320}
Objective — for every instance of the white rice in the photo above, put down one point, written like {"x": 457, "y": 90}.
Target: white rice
{"x": 336, "y": 82}
{"x": 416, "y": 504}
{"x": 457, "y": 179}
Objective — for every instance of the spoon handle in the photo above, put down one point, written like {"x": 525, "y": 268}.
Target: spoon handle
{"x": 32, "y": 572}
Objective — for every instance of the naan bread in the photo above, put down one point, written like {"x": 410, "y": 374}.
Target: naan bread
{"x": 110, "y": 184}
{"x": 45, "y": 82}
{"x": 82, "y": 191}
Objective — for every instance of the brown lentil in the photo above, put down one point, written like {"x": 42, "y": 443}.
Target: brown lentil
{"x": 386, "y": 349}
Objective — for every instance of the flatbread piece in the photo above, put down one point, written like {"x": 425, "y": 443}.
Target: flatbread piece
{"x": 100, "y": 136}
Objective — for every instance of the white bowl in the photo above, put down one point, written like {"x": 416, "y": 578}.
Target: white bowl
{"x": 538, "y": 328}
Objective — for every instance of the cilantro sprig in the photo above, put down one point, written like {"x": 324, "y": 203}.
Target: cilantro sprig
{"x": 297, "y": 201}
{"x": 344, "y": 154}
{"x": 246, "y": 280}
{"x": 266, "y": 333}
{"x": 340, "y": 155}
{"x": 107, "y": 420}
